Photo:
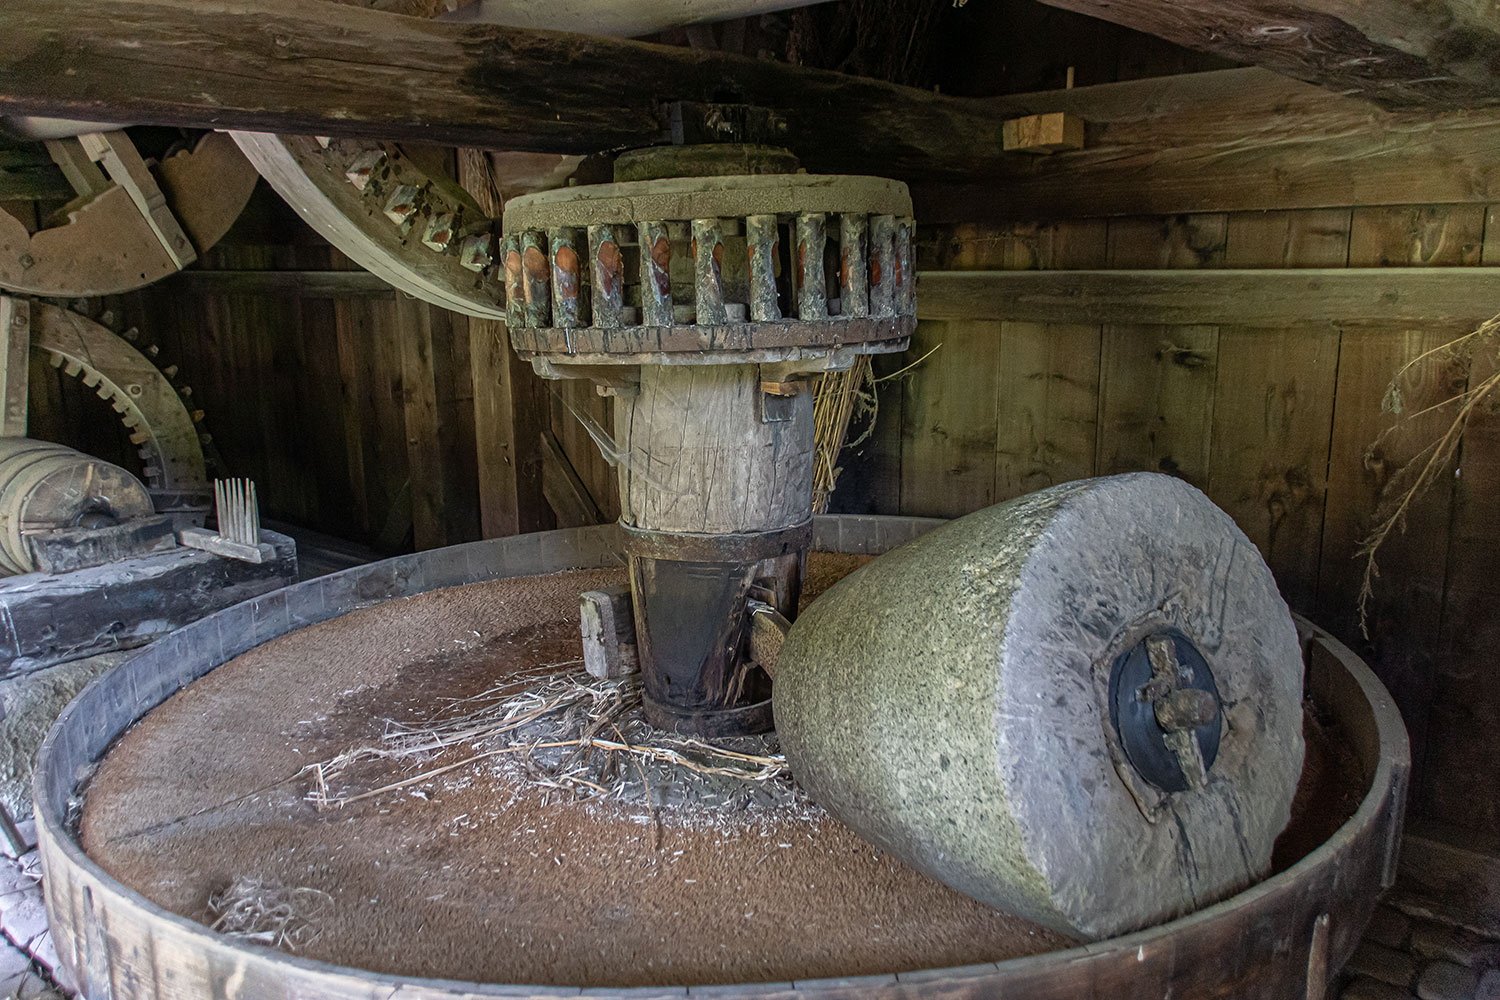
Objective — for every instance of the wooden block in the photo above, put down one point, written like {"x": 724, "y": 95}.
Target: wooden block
{"x": 1050, "y": 133}
{"x": 64, "y": 550}
{"x": 607, "y": 621}
{"x": 53, "y": 619}
{"x": 212, "y": 541}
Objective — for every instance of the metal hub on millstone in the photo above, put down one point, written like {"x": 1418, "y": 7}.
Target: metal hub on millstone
{"x": 1164, "y": 706}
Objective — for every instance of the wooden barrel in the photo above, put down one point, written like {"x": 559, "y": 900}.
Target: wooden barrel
{"x": 45, "y": 486}
{"x": 1279, "y": 939}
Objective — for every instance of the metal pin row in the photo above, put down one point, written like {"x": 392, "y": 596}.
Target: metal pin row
{"x": 546, "y": 273}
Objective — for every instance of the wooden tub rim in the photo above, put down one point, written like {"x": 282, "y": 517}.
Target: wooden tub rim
{"x": 590, "y": 548}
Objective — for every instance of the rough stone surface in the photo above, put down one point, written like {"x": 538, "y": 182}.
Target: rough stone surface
{"x": 28, "y": 706}
{"x": 1389, "y": 927}
{"x": 1385, "y": 964}
{"x": 1433, "y": 940}
{"x": 950, "y": 702}
{"x": 28, "y": 957}
{"x": 1365, "y": 988}
{"x": 1447, "y": 981}
{"x": 1489, "y": 986}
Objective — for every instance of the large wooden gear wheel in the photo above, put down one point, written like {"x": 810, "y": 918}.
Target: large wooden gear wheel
{"x": 146, "y": 224}
{"x": 745, "y": 267}
{"x": 148, "y": 404}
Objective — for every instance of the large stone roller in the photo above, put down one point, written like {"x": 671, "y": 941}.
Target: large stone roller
{"x": 1082, "y": 706}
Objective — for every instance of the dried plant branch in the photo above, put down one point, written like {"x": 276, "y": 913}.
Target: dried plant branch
{"x": 1407, "y": 487}
{"x": 586, "y": 707}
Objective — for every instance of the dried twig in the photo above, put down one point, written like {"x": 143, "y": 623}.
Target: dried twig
{"x": 268, "y": 913}
{"x": 1419, "y": 474}
{"x": 584, "y": 707}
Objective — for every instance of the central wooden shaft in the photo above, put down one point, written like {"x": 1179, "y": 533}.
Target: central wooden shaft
{"x": 715, "y": 480}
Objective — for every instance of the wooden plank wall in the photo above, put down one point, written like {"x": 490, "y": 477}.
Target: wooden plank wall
{"x": 355, "y": 416}
{"x": 1273, "y": 424}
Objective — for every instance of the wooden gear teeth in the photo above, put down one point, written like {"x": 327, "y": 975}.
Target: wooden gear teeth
{"x": 589, "y": 283}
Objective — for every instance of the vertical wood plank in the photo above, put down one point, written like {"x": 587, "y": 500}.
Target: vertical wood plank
{"x": 1176, "y": 241}
{"x": 1048, "y": 406}
{"x": 1304, "y": 238}
{"x": 352, "y": 408}
{"x": 509, "y": 410}
{"x": 1405, "y": 613}
{"x": 453, "y": 391}
{"x": 510, "y": 402}
{"x": 420, "y": 407}
{"x": 385, "y": 418}
{"x": 949, "y": 419}
{"x": 1416, "y": 236}
{"x": 1274, "y": 404}
{"x": 1156, "y": 400}
{"x": 1463, "y": 742}
{"x": 575, "y": 403}
{"x": 1272, "y": 409}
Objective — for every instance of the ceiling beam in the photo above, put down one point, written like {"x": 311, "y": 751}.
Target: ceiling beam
{"x": 1399, "y": 53}
{"x": 1232, "y": 140}
{"x": 330, "y": 69}
{"x": 1244, "y": 139}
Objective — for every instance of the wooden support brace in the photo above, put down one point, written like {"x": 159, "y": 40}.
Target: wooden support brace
{"x": 564, "y": 489}
{"x": 77, "y": 166}
{"x": 126, "y": 168}
{"x": 15, "y": 324}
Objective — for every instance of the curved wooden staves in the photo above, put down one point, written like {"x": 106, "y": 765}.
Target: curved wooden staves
{"x": 108, "y": 247}
{"x": 342, "y": 189}
{"x": 1277, "y": 940}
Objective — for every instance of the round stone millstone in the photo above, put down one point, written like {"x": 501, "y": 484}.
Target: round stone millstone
{"x": 1082, "y": 706}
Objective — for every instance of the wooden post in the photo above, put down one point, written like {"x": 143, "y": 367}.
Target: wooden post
{"x": 509, "y": 399}
{"x": 15, "y": 327}
{"x": 853, "y": 278}
{"x": 656, "y": 273}
{"x": 607, "y": 271}
{"x": 812, "y": 283}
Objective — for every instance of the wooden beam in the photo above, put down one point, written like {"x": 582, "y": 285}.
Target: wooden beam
{"x": 510, "y": 403}
{"x": 1273, "y": 297}
{"x": 314, "y": 69}
{"x": 564, "y": 490}
{"x": 1232, "y": 140}
{"x": 358, "y": 284}
{"x": 1438, "y": 55}
{"x": 15, "y": 367}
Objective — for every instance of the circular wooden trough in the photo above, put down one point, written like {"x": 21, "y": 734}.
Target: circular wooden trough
{"x": 1279, "y": 939}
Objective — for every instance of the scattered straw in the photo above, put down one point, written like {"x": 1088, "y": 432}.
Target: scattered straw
{"x": 835, "y": 400}
{"x": 269, "y": 913}
{"x": 575, "y": 708}
{"x": 1417, "y": 476}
